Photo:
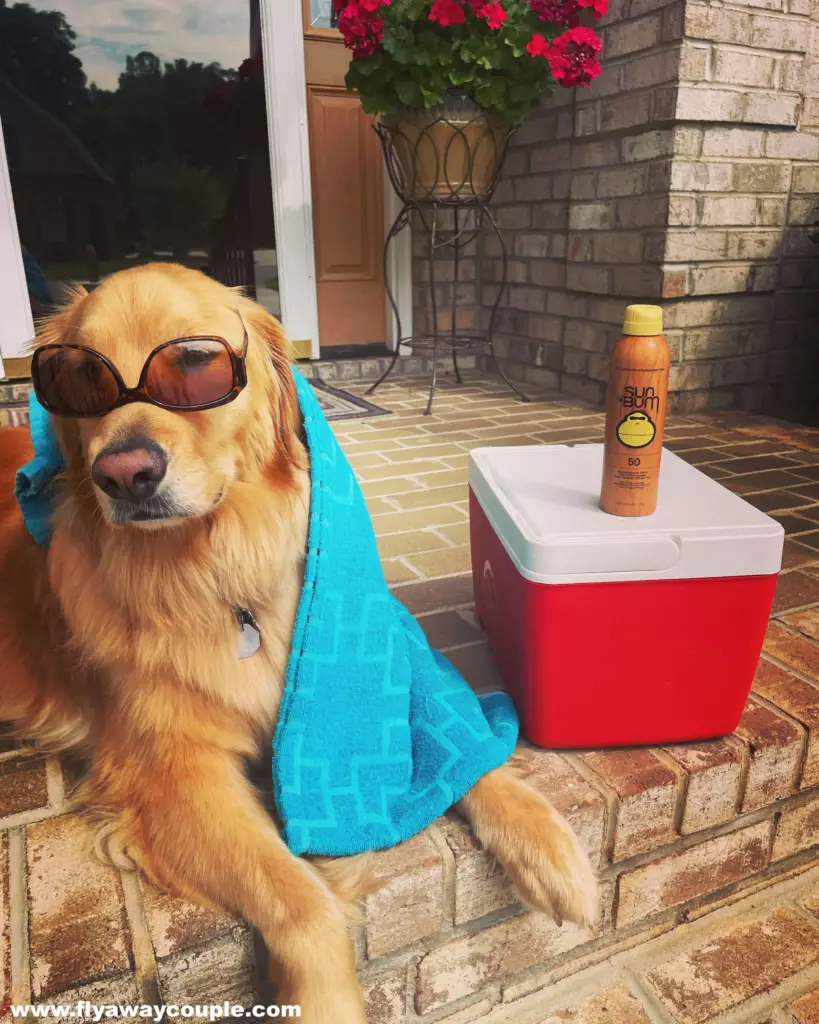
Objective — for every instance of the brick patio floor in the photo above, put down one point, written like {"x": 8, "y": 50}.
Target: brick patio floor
{"x": 707, "y": 853}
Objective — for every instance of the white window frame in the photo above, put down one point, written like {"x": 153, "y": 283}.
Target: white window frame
{"x": 286, "y": 92}
{"x": 16, "y": 322}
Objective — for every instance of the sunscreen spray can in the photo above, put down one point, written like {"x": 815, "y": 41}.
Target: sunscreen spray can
{"x": 635, "y": 415}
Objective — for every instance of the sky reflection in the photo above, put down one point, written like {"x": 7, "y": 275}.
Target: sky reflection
{"x": 110, "y": 30}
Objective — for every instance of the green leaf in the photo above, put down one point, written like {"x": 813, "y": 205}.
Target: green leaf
{"x": 433, "y": 97}
{"x": 412, "y": 10}
{"x": 517, "y": 51}
{"x": 461, "y": 77}
{"x": 369, "y": 65}
{"x": 408, "y": 92}
{"x": 491, "y": 93}
{"x": 353, "y": 77}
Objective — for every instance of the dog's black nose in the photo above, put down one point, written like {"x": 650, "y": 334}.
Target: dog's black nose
{"x": 131, "y": 471}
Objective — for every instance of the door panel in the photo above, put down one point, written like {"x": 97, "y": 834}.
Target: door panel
{"x": 348, "y": 219}
{"x": 326, "y": 64}
{"x": 346, "y": 169}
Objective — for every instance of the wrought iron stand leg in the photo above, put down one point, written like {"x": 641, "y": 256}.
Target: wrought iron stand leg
{"x": 434, "y": 309}
{"x": 398, "y": 225}
{"x": 458, "y": 376}
{"x": 490, "y": 330}
{"x": 456, "y": 245}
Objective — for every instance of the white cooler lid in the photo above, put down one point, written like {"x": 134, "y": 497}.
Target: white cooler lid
{"x": 543, "y": 502}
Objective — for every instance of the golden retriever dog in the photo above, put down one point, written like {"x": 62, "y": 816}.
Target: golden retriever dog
{"x": 120, "y": 638}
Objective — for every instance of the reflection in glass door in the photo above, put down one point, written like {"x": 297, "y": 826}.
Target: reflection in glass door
{"x": 136, "y": 134}
{"x": 323, "y": 14}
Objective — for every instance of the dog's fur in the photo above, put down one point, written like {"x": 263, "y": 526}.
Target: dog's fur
{"x": 121, "y": 640}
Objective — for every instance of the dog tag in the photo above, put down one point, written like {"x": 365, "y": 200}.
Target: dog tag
{"x": 250, "y": 636}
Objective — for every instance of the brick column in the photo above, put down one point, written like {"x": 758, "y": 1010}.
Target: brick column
{"x": 685, "y": 176}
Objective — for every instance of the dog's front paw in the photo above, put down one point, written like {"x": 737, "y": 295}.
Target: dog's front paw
{"x": 329, "y": 993}
{"x": 550, "y": 868}
{"x": 320, "y": 1004}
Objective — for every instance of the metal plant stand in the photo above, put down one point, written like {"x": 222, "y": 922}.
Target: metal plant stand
{"x": 453, "y": 208}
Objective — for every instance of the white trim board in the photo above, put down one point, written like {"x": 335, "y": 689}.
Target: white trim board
{"x": 286, "y": 100}
{"x": 16, "y": 323}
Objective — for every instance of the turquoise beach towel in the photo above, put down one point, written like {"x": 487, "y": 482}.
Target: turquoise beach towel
{"x": 378, "y": 734}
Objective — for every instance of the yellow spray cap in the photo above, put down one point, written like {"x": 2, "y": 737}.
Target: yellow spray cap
{"x": 643, "y": 320}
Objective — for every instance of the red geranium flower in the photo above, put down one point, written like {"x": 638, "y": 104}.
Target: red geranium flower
{"x": 447, "y": 12}
{"x": 560, "y": 12}
{"x": 495, "y": 15}
{"x": 565, "y": 12}
{"x": 538, "y": 46}
{"x": 373, "y": 5}
{"x": 362, "y": 32}
{"x": 573, "y": 57}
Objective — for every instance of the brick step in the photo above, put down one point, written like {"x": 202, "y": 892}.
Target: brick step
{"x": 13, "y": 415}
{"x": 413, "y": 953}
{"x": 755, "y": 957}
{"x": 14, "y": 392}
{"x": 14, "y": 404}
{"x": 339, "y": 371}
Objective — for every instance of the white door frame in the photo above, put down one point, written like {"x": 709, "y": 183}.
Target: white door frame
{"x": 16, "y": 322}
{"x": 286, "y": 93}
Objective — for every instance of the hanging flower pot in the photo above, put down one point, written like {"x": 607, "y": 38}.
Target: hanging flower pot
{"x": 452, "y": 152}
{"x": 451, "y": 78}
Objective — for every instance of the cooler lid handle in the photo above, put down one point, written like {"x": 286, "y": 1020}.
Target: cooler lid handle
{"x": 627, "y": 554}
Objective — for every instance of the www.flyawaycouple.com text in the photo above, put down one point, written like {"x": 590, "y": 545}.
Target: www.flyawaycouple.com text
{"x": 85, "y": 1010}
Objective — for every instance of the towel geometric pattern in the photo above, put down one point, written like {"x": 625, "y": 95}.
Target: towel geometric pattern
{"x": 378, "y": 734}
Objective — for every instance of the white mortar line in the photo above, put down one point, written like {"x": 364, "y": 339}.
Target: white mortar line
{"x": 54, "y": 783}
{"x": 29, "y": 817}
{"x": 18, "y": 915}
{"x": 147, "y": 977}
{"x": 448, "y": 863}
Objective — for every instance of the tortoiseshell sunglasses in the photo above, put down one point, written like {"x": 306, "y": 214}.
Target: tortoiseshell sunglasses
{"x": 186, "y": 374}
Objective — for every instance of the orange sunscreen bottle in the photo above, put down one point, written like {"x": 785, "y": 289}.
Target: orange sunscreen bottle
{"x": 635, "y": 415}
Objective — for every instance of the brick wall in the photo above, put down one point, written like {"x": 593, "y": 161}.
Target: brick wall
{"x": 685, "y": 176}
{"x": 743, "y": 183}
{"x": 451, "y": 296}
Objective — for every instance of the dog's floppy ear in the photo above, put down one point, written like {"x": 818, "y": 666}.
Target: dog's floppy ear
{"x": 58, "y": 325}
{"x": 283, "y": 395}
{"x": 61, "y": 326}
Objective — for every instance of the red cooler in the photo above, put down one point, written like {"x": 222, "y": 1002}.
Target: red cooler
{"x": 611, "y": 631}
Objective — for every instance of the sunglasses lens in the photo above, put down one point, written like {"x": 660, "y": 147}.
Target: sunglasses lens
{"x": 190, "y": 373}
{"x": 74, "y": 382}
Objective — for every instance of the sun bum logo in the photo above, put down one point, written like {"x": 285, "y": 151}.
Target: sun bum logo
{"x": 634, "y": 397}
{"x": 637, "y": 429}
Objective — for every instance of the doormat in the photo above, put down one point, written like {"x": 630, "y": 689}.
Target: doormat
{"x": 341, "y": 405}
{"x": 14, "y": 404}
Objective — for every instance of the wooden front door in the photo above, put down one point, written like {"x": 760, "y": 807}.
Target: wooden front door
{"x": 346, "y": 169}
